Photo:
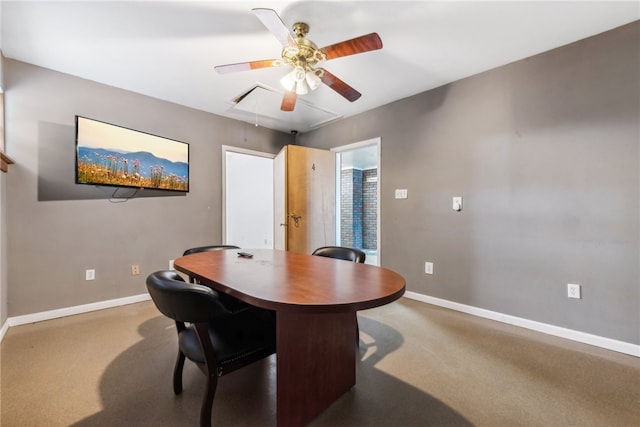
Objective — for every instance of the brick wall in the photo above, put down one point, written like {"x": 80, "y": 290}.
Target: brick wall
{"x": 370, "y": 209}
{"x": 358, "y": 206}
{"x": 346, "y": 208}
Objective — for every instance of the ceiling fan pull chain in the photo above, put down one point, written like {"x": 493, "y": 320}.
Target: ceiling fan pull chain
{"x": 255, "y": 108}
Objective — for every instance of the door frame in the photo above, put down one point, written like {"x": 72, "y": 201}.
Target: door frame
{"x": 361, "y": 144}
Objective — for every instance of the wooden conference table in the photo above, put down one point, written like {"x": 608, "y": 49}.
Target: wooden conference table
{"x": 315, "y": 300}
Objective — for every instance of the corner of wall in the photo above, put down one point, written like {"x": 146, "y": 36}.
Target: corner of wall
{"x": 3, "y": 255}
{"x": 3, "y": 330}
{"x": 3, "y": 234}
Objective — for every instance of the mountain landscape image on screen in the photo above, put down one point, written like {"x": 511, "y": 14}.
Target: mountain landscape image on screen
{"x": 130, "y": 169}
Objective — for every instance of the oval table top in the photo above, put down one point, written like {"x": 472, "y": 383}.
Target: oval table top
{"x": 288, "y": 281}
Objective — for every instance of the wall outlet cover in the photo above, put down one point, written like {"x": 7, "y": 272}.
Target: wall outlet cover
{"x": 428, "y": 267}
{"x": 573, "y": 291}
{"x": 401, "y": 193}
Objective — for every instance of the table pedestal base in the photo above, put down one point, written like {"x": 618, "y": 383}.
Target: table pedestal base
{"x": 316, "y": 363}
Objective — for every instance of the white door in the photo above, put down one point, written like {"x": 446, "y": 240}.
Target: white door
{"x": 248, "y": 198}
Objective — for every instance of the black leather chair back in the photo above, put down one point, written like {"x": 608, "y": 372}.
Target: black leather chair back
{"x": 232, "y": 304}
{"x": 209, "y": 248}
{"x": 341, "y": 252}
{"x": 182, "y": 301}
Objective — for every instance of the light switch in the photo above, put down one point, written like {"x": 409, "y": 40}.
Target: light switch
{"x": 428, "y": 267}
{"x": 457, "y": 204}
{"x": 401, "y": 193}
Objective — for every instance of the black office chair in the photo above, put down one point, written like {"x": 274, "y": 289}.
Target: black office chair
{"x": 216, "y": 340}
{"x": 209, "y": 248}
{"x": 231, "y": 303}
{"x": 347, "y": 254}
{"x": 341, "y": 252}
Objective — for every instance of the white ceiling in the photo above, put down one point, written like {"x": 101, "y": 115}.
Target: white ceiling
{"x": 167, "y": 50}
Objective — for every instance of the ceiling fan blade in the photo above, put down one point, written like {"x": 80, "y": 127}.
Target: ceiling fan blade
{"x": 272, "y": 21}
{"x": 360, "y": 44}
{"x": 289, "y": 100}
{"x": 244, "y": 66}
{"x": 339, "y": 86}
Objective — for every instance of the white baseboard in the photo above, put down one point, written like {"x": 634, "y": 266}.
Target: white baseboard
{"x": 598, "y": 341}
{"x": 70, "y": 311}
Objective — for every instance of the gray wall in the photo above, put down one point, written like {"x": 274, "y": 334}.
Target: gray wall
{"x": 546, "y": 154}
{"x": 57, "y": 229}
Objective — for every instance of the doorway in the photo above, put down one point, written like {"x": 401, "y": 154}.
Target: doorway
{"x": 283, "y": 201}
{"x": 357, "y": 197}
{"x": 304, "y": 199}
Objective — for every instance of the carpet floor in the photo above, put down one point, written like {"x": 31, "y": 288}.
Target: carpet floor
{"x": 419, "y": 365}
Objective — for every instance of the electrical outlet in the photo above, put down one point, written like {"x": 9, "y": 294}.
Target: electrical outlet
{"x": 428, "y": 267}
{"x": 401, "y": 193}
{"x": 135, "y": 269}
{"x": 573, "y": 290}
{"x": 90, "y": 275}
{"x": 171, "y": 265}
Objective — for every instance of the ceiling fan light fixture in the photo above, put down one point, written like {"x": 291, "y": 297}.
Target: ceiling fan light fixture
{"x": 288, "y": 81}
{"x": 299, "y": 74}
{"x": 295, "y": 79}
{"x": 302, "y": 88}
{"x": 312, "y": 80}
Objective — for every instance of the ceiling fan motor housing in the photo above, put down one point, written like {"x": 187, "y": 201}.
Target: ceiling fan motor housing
{"x": 306, "y": 54}
{"x": 300, "y": 29}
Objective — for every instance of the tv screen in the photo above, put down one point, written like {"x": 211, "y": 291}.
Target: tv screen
{"x": 112, "y": 155}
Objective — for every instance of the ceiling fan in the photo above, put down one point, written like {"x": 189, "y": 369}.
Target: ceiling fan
{"x": 302, "y": 55}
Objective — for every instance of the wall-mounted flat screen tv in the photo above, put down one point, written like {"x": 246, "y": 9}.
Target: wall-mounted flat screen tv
{"x": 112, "y": 155}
